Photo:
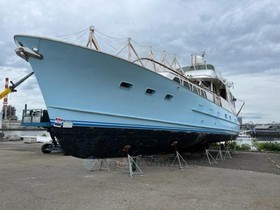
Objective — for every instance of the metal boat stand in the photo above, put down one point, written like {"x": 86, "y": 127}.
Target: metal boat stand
{"x": 227, "y": 153}
{"x": 220, "y": 155}
{"x": 219, "y": 152}
{"x": 91, "y": 164}
{"x": 210, "y": 158}
{"x": 181, "y": 161}
{"x": 134, "y": 169}
{"x": 232, "y": 150}
{"x": 132, "y": 166}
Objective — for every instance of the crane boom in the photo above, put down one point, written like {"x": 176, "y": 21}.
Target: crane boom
{"x": 13, "y": 86}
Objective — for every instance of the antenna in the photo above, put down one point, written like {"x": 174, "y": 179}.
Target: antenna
{"x": 203, "y": 54}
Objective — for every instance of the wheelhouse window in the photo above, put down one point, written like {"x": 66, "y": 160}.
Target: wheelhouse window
{"x": 126, "y": 85}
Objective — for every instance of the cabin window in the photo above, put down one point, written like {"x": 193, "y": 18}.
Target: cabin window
{"x": 168, "y": 97}
{"x": 223, "y": 93}
{"x": 126, "y": 85}
{"x": 203, "y": 93}
{"x": 225, "y": 116}
{"x": 195, "y": 89}
{"x": 186, "y": 85}
{"x": 176, "y": 79}
{"x": 150, "y": 91}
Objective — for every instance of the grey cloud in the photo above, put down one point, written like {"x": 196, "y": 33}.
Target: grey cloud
{"x": 240, "y": 37}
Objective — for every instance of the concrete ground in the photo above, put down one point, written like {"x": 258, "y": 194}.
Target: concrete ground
{"x": 31, "y": 180}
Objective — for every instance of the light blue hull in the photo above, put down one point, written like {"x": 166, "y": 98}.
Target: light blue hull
{"x": 82, "y": 86}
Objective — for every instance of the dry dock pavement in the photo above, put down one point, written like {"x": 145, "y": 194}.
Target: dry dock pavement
{"x": 31, "y": 180}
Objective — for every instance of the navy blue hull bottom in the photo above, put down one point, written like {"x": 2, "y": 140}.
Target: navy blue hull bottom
{"x": 83, "y": 142}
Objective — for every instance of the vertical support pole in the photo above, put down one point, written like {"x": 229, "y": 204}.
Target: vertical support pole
{"x": 1, "y": 121}
{"x": 5, "y": 101}
{"x": 92, "y": 40}
{"x": 129, "y": 49}
{"x": 220, "y": 154}
{"x": 227, "y": 153}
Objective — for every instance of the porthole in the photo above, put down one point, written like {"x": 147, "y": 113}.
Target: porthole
{"x": 126, "y": 85}
{"x": 176, "y": 79}
{"x": 168, "y": 97}
{"x": 150, "y": 91}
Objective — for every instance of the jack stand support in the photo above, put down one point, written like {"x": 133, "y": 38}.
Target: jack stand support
{"x": 182, "y": 163}
{"x": 220, "y": 154}
{"x": 227, "y": 153}
{"x": 178, "y": 157}
{"x": 210, "y": 158}
{"x": 134, "y": 169}
{"x": 132, "y": 165}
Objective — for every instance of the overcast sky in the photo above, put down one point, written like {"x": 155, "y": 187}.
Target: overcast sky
{"x": 240, "y": 37}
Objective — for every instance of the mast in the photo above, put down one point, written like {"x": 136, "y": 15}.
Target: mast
{"x": 175, "y": 63}
{"x": 130, "y": 48}
{"x": 151, "y": 56}
{"x": 91, "y": 39}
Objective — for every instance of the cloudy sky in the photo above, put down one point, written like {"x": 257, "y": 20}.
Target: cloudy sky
{"x": 240, "y": 37}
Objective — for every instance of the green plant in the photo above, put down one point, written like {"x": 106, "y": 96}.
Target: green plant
{"x": 268, "y": 146}
{"x": 232, "y": 145}
{"x": 243, "y": 147}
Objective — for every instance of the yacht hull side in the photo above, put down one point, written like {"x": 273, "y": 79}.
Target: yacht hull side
{"x": 83, "y": 87}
